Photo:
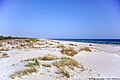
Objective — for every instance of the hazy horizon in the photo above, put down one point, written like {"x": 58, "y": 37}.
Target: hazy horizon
{"x": 59, "y": 19}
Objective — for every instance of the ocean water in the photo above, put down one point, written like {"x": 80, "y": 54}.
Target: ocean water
{"x": 98, "y": 41}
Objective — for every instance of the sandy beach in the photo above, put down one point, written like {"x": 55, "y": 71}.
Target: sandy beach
{"x": 42, "y": 59}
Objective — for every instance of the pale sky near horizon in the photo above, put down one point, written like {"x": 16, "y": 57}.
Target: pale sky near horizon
{"x": 60, "y": 18}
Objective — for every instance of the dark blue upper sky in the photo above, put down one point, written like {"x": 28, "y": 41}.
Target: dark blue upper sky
{"x": 60, "y": 18}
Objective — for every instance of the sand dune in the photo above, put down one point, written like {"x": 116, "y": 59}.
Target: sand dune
{"x": 57, "y": 60}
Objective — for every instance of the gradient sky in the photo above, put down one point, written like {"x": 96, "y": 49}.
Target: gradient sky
{"x": 60, "y": 18}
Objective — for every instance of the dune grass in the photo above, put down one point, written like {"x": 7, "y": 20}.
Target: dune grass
{"x": 24, "y": 72}
{"x": 49, "y": 57}
{"x": 66, "y": 61}
{"x": 33, "y": 64}
{"x": 85, "y": 49}
{"x": 69, "y": 51}
{"x": 64, "y": 72}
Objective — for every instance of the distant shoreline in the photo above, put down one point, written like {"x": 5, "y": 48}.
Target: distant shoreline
{"x": 96, "y": 41}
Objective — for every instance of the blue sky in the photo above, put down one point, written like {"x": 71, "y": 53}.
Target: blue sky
{"x": 60, "y": 18}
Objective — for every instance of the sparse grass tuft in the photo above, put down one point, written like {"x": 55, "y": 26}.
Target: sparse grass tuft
{"x": 33, "y": 59}
{"x": 64, "y": 72}
{"x": 85, "y": 49}
{"x": 66, "y": 61}
{"x": 21, "y": 73}
{"x": 35, "y": 63}
{"x": 46, "y": 65}
{"x": 49, "y": 57}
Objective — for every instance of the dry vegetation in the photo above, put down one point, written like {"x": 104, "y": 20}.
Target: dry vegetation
{"x": 49, "y": 57}
{"x": 31, "y": 40}
{"x": 32, "y": 59}
{"x": 21, "y": 73}
{"x": 60, "y": 63}
{"x": 66, "y": 61}
{"x": 85, "y": 49}
{"x": 69, "y": 51}
{"x": 70, "y": 63}
{"x": 64, "y": 72}
{"x": 4, "y": 49}
{"x": 24, "y": 72}
{"x": 61, "y": 46}
{"x": 3, "y": 55}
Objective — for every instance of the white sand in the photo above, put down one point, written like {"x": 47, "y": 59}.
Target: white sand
{"x": 102, "y": 62}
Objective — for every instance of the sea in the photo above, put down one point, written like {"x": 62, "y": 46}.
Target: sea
{"x": 98, "y": 41}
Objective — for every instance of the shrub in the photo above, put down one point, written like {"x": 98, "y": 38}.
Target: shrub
{"x": 85, "y": 49}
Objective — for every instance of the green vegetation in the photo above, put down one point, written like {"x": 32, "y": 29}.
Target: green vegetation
{"x": 10, "y": 37}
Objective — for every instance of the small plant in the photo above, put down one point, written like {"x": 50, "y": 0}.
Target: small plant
{"x": 64, "y": 72}
{"x": 33, "y": 59}
{"x": 85, "y": 49}
{"x": 49, "y": 57}
{"x": 35, "y": 63}
{"x": 19, "y": 74}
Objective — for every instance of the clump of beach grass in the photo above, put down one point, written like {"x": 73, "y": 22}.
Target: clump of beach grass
{"x": 33, "y": 64}
{"x": 69, "y": 51}
{"x": 24, "y": 72}
{"x": 33, "y": 40}
{"x": 61, "y": 46}
{"x": 33, "y": 59}
{"x": 64, "y": 72}
{"x": 49, "y": 57}
{"x": 85, "y": 49}
{"x": 69, "y": 62}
